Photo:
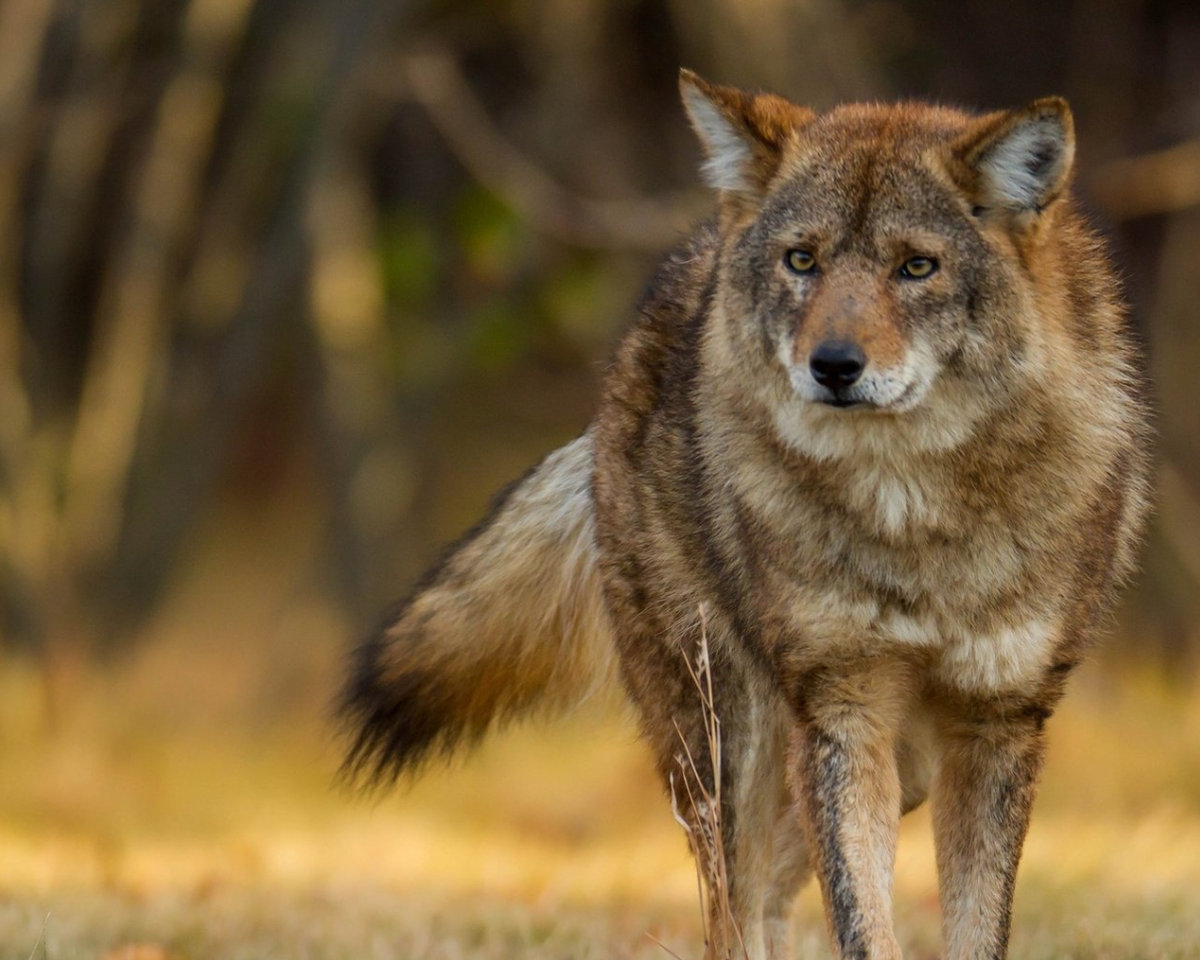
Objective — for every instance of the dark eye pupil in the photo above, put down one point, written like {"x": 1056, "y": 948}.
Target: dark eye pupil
{"x": 800, "y": 261}
{"x": 918, "y": 267}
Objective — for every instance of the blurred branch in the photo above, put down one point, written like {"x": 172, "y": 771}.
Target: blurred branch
{"x": 21, "y": 32}
{"x": 118, "y": 273}
{"x": 40, "y": 282}
{"x": 153, "y": 61}
{"x": 434, "y": 81}
{"x": 1179, "y": 510}
{"x": 816, "y": 49}
{"x": 274, "y": 286}
{"x": 1161, "y": 182}
{"x": 242, "y": 81}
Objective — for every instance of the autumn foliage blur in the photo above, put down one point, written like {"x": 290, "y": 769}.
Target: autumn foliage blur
{"x": 367, "y": 257}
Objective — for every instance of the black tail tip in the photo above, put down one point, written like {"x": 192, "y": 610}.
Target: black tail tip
{"x": 394, "y": 716}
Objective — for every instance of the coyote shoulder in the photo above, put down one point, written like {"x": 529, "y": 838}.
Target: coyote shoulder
{"x": 879, "y": 419}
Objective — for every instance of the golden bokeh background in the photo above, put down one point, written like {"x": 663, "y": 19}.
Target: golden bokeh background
{"x": 289, "y": 287}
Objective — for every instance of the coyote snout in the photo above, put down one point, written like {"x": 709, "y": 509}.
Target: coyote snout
{"x": 851, "y": 344}
{"x": 842, "y": 371}
{"x": 837, "y": 364}
{"x": 840, "y": 374}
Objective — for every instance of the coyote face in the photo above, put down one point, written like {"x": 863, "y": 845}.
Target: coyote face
{"x": 866, "y": 272}
{"x": 875, "y": 442}
{"x": 863, "y": 294}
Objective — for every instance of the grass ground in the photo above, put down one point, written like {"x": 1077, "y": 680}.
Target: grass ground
{"x": 121, "y": 834}
{"x": 185, "y": 811}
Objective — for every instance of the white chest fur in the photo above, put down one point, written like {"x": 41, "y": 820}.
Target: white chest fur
{"x": 1008, "y": 654}
{"x": 892, "y": 501}
{"x": 1003, "y": 658}
{"x": 966, "y": 648}
{"x": 911, "y": 562}
{"x": 1008, "y": 659}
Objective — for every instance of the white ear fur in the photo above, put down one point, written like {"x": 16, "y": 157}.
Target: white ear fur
{"x": 1027, "y": 165}
{"x": 729, "y": 153}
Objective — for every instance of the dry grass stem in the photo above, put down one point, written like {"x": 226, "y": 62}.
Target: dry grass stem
{"x": 704, "y": 831}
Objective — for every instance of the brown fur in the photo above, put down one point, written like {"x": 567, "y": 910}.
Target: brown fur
{"x": 895, "y": 593}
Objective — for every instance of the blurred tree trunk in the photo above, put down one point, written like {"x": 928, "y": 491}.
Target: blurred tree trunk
{"x": 89, "y": 318}
{"x": 201, "y": 200}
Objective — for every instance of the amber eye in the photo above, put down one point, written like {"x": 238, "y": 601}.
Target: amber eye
{"x": 800, "y": 261}
{"x": 918, "y": 268}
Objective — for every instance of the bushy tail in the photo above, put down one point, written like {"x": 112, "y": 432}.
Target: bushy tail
{"x": 510, "y": 619}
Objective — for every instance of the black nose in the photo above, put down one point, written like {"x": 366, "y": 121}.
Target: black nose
{"x": 837, "y": 363}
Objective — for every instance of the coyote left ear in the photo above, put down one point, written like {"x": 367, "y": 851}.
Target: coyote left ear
{"x": 743, "y": 133}
{"x": 1019, "y": 161}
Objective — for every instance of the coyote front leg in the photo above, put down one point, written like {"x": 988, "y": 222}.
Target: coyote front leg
{"x": 848, "y": 786}
{"x": 987, "y": 778}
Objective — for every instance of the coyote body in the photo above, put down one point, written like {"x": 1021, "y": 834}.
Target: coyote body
{"x": 876, "y": 433}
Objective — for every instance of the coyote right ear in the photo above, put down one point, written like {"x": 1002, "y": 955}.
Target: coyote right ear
{"x": 1018, "y": 161}
{"x": 743, "y": 133}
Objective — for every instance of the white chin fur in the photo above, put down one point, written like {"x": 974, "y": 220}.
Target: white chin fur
{"x": 829, "y": 433}
{"x": 906, "y": 413}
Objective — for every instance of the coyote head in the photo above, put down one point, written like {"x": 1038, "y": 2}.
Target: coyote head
{"x": 887, "y": 263}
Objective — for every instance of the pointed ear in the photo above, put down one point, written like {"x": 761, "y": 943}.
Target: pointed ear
{"x": 743, "y": 134}
{"x": 1019, "y": 161}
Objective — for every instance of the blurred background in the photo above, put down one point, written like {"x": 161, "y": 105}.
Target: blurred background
{"x": 289, "y": 287}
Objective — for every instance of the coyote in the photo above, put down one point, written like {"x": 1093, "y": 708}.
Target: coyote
{"x": 879, "y": 425}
